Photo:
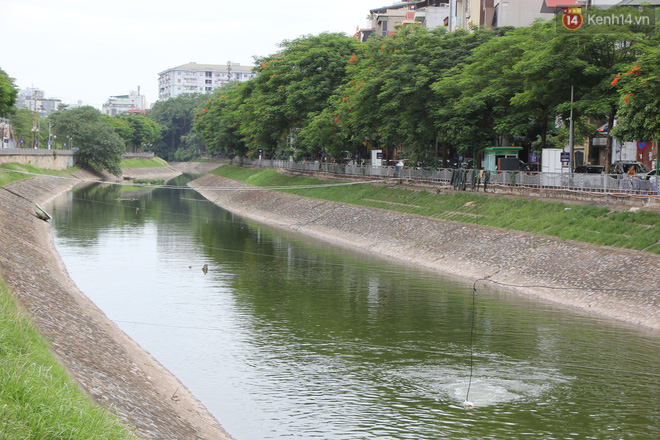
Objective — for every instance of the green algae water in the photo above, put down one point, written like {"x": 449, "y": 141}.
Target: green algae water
{"x": 290, "y": 338}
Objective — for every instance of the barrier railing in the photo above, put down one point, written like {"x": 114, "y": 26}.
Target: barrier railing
{"x": 597, "y": 183}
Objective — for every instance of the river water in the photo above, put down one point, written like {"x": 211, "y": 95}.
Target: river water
{"x": 289, "y": 338}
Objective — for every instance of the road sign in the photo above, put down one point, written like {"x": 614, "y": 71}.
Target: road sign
{"x": 533, "y": 157}
{"x": 641, "y": 145}
{"x": 565, "y": 157}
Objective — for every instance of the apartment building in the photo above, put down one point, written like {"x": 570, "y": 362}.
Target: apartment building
{"x": 199, "y": 78}
{"x": 35, "y": 100}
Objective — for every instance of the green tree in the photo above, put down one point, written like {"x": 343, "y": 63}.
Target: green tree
{"x": 468, "y": 97}
{"x": 639, "y": 88}
{"x": 176, "y": 116}
{"x": 29, "y": 126}
{"x": 218, "y": 123}
{"x": 137, "y": 131}
{"x": 99, "y": 146}
{"x": 292, "y": 85}
{"x": 8, "y": 94}
{"x": 608, "y": 51}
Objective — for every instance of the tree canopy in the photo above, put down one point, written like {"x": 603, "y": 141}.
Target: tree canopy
{"x": 137, "y": 131}
{"x": 175, "y": 117}
{"x": 99, "y": 146}
{"x": 8, "y": 93}
{"x": 424, "y": 92}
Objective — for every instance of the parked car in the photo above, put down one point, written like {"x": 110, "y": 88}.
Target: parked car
{"x": 654, "y": 172}
{"x": 623, "y": 166}
{"x": 590, "y": 169}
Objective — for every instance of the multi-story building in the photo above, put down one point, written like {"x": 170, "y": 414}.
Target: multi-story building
{"x": 385, "y": 20}
{"x": 200, "y": 78}
{"x": 133, "y": 102}
{"x": 35, "y": 100}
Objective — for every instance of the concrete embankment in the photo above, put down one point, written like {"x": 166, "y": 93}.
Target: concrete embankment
{"x": 109, "y": 366}
{"x": 610, "y": 282}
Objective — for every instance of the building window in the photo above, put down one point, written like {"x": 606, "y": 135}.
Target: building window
{"x": 209, "y": 81}
{"x": 209, "y": 74}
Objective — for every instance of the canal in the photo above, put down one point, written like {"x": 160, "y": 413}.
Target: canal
{"x": 289, "y": 338}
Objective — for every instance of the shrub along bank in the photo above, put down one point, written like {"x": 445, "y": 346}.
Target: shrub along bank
{"x": 638, "y": 230}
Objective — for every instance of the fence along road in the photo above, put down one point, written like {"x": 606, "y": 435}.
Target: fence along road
{"x": 602, "y": 184}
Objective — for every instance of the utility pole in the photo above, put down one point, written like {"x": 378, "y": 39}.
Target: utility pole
{"x": 571, "y": 147}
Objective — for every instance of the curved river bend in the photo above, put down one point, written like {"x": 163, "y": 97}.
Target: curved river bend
{"x": 287, "y": 338}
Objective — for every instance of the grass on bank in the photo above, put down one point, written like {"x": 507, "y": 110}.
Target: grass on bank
{"x": 638, "y": 230}
{"x": 154, "y": 162}
{"x": 38, "y": 400}
{"x": 10, "y": 172}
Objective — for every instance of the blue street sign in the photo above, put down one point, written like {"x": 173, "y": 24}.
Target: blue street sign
{"x": 533, "y": 157}
{"x": 565, "y": 157}
{"x": 641, "y": 145}
{"x": 64, "y": 144}
{"x": 22, "y": 141}
{"x": 50, "y": 143}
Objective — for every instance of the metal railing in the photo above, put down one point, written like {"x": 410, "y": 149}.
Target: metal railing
{"x": 582, "y": 182}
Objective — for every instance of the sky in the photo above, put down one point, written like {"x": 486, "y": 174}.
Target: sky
{"x": 89, "y": 50}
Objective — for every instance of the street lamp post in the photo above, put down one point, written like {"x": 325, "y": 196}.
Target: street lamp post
{"x": 34, "y": 134}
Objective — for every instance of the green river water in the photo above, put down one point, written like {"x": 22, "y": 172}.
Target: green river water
{"x": 290, "y": 338}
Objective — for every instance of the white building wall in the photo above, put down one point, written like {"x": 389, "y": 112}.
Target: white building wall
{"x": 199, "y": 78}
{"x": 435, "y": 16}
{"x": 520, "y": 13}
